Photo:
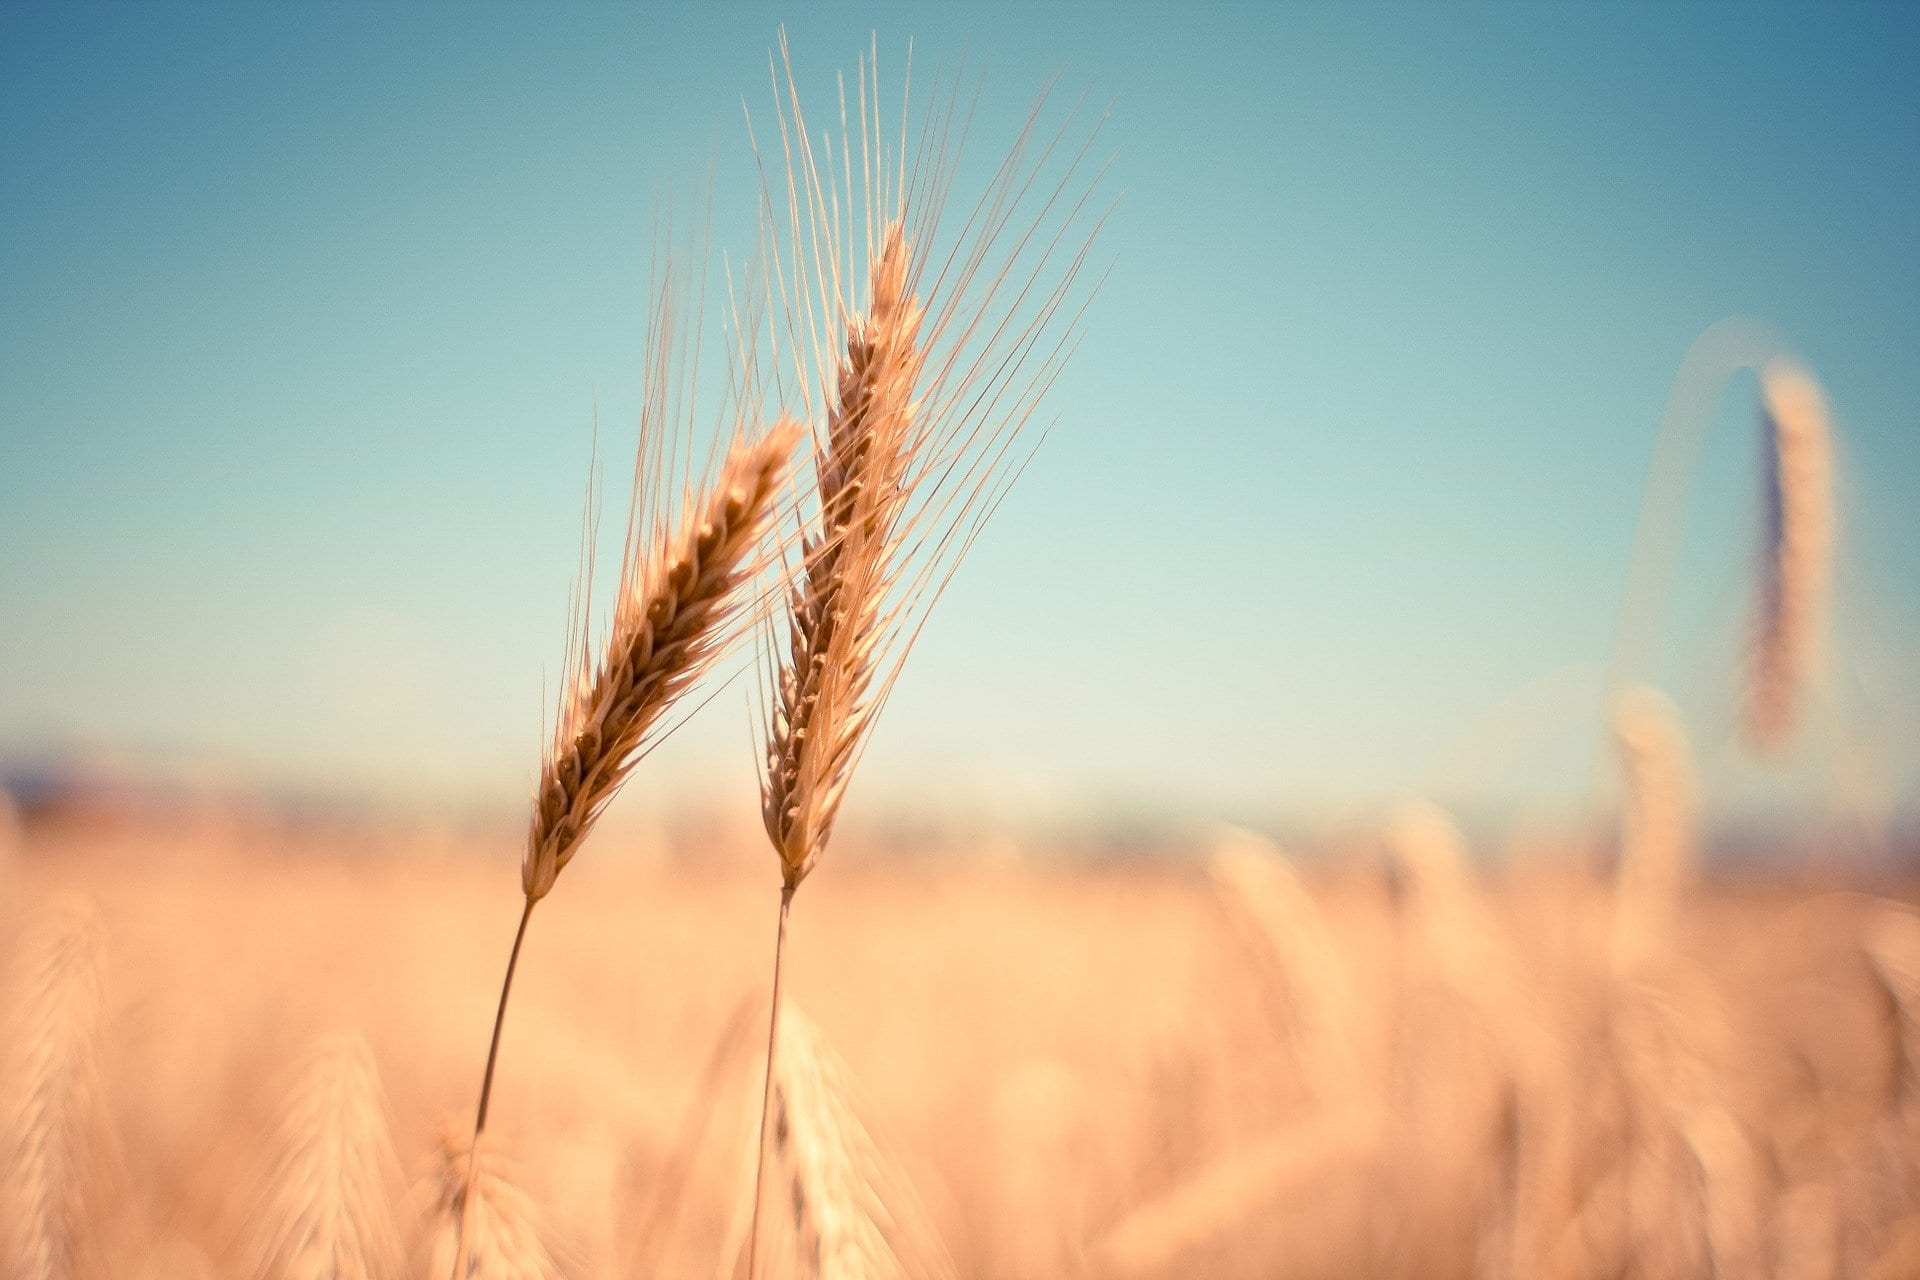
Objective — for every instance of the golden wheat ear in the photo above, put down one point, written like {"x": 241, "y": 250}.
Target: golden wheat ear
{"x": 680, "y": 607}
{"x": 1796, "y": 553}
{"x": 326, "y": 1211}
{"x": 50, "y": 1035}
{"x": 918, "y": 352}
{"x": 919, "y": 345}
{"x": 1656, "y": 866}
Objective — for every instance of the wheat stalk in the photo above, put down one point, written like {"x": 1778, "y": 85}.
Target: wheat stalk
{"x": 1796, "y": 549}
{"x": 1656, "y": 827}
{"x": 921, "y": 395}
{"x": 328, "y": 1207}
{"x": 681, "y": 604}
{"x": 49, "y": 1083}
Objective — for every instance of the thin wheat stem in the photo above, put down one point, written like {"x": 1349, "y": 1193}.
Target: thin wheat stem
{"x": 766, "y": 1089}
{"x": 486, "y": 1087}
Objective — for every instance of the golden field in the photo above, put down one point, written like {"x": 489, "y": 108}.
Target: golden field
{"x": 1078, "y": 1070}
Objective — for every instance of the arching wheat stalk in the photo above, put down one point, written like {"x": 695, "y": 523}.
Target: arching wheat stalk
{"x": 1796, "y": 549}
{"x": 920, "y": 357}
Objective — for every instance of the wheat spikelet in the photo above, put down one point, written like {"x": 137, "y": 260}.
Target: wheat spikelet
{"x": 1796, "y": 549}
{"x": 473, "y": 1205}
{"x": 672, "y": 618}
{"x": 49, "y": 1082}
{"x": 1260, "y": 889}
{"x": 846, "y": 1210}
{"x": 1656, "y": 827}
{"x": 327, "y": 1212}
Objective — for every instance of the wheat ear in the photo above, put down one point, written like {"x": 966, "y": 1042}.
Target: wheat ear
{"x": 479, "y": 1223}
{"x": 851, "y": 1213}
{"x": 1302, "y": 967}
{"x": 835, "y": 606}
{"x": 49, "y": 1083}
{"x": 925, "y": 368}
{"x": 328, "y": 1207}
{"x": 680, "y": 606}
{"x": 1796, "y": 550}
{"x": 1656, "y": 863}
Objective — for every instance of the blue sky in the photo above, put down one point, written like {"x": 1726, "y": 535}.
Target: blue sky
{"x": 305, "y": 316}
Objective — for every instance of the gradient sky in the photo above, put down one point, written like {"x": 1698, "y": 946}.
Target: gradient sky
{"x": 304, "y": 316}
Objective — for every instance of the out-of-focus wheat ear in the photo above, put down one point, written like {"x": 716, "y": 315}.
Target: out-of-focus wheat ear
{"x": 327, "y": 1205}
{"x": 1302, "y": 966}
{"x": 1434, "y": 886}
{"x": 1796, "y": 554}
{"x": 1656, "y": 864}
{"x": 840, "y": 1208}
{"x": 49, "y": 1092}
{"x": 505, "y": 1236}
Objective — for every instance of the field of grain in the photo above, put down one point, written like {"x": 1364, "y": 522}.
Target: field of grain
{"x": 1076, "y": 1072}
{"x": 251, "y": 1039}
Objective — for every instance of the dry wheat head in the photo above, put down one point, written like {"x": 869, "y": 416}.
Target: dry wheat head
{"x": 678, "y": 607}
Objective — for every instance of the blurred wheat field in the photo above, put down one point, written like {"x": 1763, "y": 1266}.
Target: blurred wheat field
{"x": 1079, "y": 1071}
